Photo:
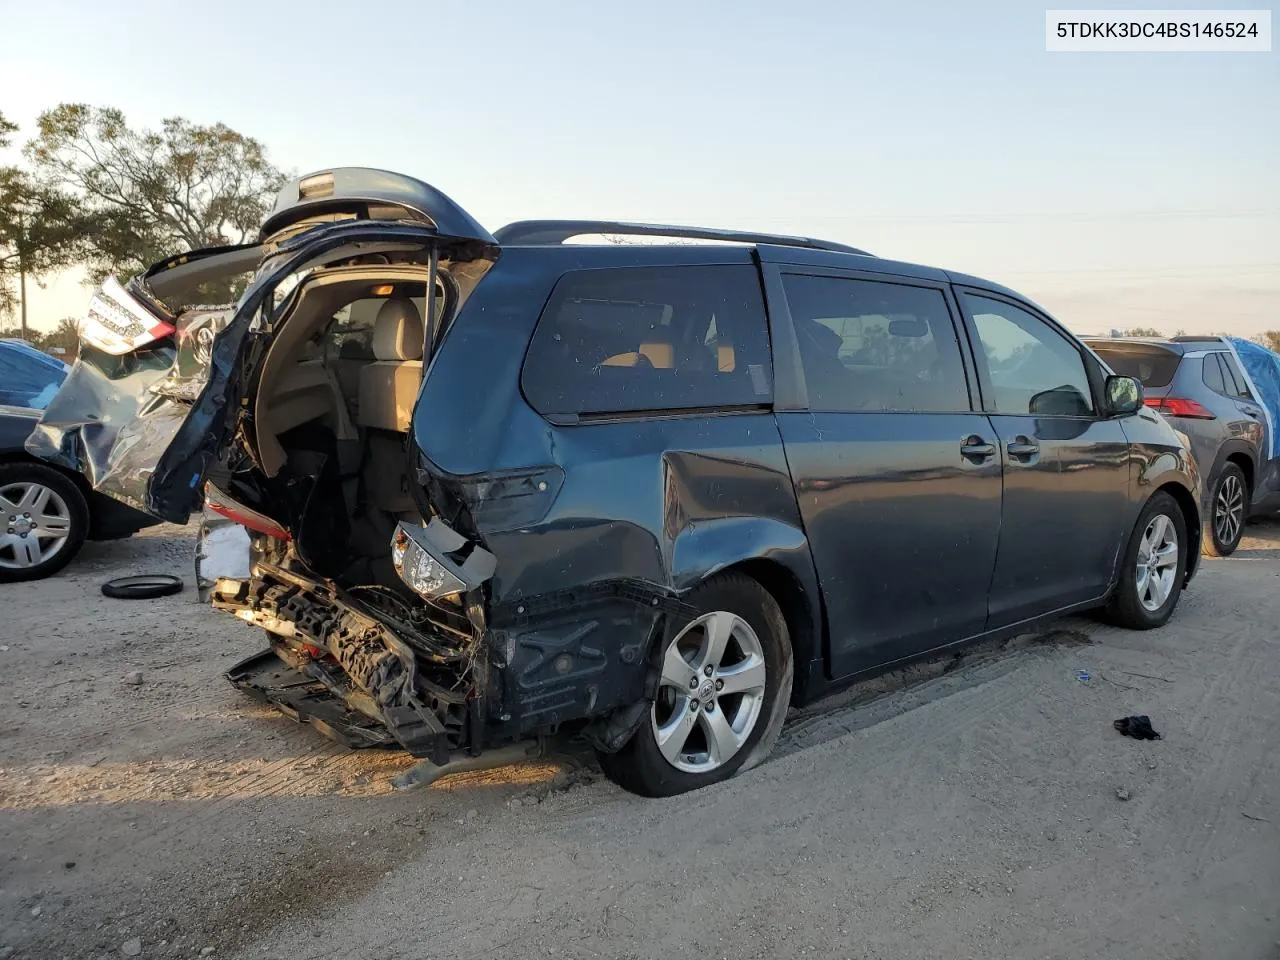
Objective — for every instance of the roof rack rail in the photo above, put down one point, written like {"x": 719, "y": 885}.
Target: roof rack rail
{"x": 552, "y": 232}
{"x": 1197, "y": 338}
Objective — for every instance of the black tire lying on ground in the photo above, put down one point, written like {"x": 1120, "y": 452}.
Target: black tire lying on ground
{"x": 146, "y": 586}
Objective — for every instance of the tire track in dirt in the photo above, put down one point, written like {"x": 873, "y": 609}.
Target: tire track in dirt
{"x": 1197, "y": 813}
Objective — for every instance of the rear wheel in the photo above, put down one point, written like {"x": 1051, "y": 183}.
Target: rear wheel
{"x": 724, "y": 685}
{"x": 1153, "y": 567}
{"x": 43, "y": 521}
{"x": 1228, "y": 511}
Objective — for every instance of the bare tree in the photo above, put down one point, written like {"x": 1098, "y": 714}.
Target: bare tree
{"x": 152, "y": 193}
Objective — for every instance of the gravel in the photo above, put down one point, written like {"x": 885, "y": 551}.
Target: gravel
{"x": 894, "y": 821}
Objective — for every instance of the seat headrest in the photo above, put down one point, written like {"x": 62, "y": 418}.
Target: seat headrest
{"x": 397, "y": 331}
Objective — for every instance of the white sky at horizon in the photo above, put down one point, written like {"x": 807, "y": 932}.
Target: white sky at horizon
{"x": 1117, "y": 190}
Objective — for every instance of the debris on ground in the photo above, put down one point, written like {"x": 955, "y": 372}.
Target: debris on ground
{"x": 1138, "y": 727}
{"x": 1083, "y": 676}
{"x": 1122, "y": 793}
{"x": 132, "y": 948}
{"x": 133, "y": 678}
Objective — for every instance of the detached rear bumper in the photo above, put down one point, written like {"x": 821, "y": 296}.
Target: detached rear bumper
{"x": 338, "y": 668}
{"x": 307, "y": 698}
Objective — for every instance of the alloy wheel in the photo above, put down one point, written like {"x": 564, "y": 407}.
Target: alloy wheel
{"x": 1157, "y": 562}
{"x": 710, "y": 694}
{"x": 35, "y": 523}
{"x": 1228, "y": 510}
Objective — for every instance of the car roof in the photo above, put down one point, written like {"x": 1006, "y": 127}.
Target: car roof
{"x": 363, "y": 189}
{"x": 736, "y": 248}
{"x": 1183, "y": 345}
{"x": 31, "y": 352}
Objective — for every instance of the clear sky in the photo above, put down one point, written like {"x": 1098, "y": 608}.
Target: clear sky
{"x": 1116, "y": 189}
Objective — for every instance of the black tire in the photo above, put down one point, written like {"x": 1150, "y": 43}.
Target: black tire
{"x": 1125, "y": 608}
{"x": 77, "y": 514}
{"x": 1229, "y": 490}
{"x": 146, "y": 586}
{"x": 640, "y": 765}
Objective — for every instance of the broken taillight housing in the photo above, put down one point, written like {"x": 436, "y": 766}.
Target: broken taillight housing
{"x": 1180, "y": 407}
{"x": 222, "y": 504}
{"x": 428, "y": 559}
{"x": 117, "y": 323}
{"x": 424, "y": 574}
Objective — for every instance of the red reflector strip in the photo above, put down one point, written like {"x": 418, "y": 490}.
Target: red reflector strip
{"x": 1180, "y": 407}
{"x": 221, "y": 504}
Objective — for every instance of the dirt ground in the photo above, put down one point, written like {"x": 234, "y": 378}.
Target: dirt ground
{"x": 973, "y": 807}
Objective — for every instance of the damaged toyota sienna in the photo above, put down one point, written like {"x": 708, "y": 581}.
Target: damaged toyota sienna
{"x": 502, "y": 486}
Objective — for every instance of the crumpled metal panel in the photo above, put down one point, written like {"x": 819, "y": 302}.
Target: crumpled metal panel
{"x": 116, "y": 415}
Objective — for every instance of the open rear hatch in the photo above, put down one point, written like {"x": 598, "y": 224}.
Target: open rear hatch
{"x": 164, "y": 382}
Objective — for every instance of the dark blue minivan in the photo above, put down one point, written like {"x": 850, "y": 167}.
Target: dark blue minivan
{"x": 501, "y": 485}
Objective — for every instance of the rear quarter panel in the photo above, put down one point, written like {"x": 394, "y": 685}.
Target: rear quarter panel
{"x": 646, "y": 509}
{"x": 1212, "y": 441}
{"x": 1160, "y": 458}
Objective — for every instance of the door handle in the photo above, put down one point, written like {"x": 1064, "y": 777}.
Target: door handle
{"x": 1023, "y": 449}
{"x": 976, "y": 449}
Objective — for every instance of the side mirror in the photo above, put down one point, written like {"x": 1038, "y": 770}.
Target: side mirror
{"x": 1124, "y": 396}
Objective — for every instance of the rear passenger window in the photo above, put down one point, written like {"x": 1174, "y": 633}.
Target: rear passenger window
{"x": 1213, "y": 374}
{"x": 1234, "y": 377}
{"x": 636, "y": 339}
{"x": 868, "y": 346}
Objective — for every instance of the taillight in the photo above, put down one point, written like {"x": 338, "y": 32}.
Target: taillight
{"x": 220, "y": 503}
{"x": 117, "y": 322}
{"x": 1180, "y": 407}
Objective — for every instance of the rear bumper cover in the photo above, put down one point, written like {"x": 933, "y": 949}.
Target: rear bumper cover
{"x": 307, "y": 699}
{"x": 341, "y": 670}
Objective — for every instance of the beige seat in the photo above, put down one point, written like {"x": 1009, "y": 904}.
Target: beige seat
{"x": 389, "y": 385}
{"x": 659, "y": 354}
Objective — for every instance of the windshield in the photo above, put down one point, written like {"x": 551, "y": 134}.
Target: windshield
{"x": 28, "y": 377}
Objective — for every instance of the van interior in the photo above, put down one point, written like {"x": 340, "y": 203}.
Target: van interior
{"x": 327, "y": 428}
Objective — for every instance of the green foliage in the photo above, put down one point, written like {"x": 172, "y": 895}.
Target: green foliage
{"x": 41, "y": 227}
{"x": 65, "y": 336}
{"x": 148, "y": 194}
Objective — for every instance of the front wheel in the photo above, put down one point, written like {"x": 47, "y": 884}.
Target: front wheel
{"x": 1153, "y": 567}
{"x": 723, "y": 690}
{"x": 1230, "y": 502}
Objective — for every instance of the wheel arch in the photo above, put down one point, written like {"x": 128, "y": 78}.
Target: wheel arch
{"x": 1191, "y": 522}
{"x": 24, "y": 458}
{"x": 1242, "y": 455}
{"x": 774, "y": 554}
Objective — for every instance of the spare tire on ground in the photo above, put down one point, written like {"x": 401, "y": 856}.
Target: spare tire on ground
{"x": 145, "y": 586}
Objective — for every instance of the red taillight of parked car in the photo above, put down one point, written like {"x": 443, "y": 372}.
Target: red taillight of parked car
{"x": 1180, "y": 407}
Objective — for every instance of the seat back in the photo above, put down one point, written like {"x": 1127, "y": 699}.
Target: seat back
{"x": 389, "y": 385}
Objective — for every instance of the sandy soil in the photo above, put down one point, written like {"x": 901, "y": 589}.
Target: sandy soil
{"x": 978, "y": 806}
